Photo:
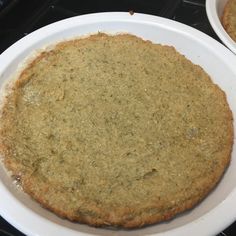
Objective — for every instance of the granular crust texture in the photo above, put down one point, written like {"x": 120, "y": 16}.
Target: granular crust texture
{"x": 114, "y": 130}
{"x": 229, "y": 18}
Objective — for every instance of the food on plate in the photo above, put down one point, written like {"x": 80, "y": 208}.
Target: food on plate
{"x": 229, "y": 18}
{"x": 115, "y": 131}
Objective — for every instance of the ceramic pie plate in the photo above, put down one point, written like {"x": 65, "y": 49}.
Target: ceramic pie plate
{"x": 214, "y": 9}
{"x": 212, "y": 215}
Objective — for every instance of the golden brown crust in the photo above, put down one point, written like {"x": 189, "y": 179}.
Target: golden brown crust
{"x": 195, "y": 143}
{"x": 229, "y": 18}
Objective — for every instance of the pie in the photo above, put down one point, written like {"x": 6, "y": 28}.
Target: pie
{"x": 229, "y": 18}
{"x": 115, "y": 131}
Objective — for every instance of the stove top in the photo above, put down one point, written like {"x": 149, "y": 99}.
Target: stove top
{"x": 20, "y": 17}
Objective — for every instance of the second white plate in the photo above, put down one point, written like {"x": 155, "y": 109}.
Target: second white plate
{"x": 215, "y": 10}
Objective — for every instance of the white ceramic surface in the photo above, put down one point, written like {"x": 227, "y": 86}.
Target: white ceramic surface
{"x": 214, "y": 9}
{"x": 216, "y": 212}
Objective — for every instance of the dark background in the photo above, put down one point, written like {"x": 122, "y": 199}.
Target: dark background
{"x": 20, "y": 17}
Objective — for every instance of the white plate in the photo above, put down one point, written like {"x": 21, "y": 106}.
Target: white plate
{"x": 214, "y": 9}
{"x": 217, "y": 211}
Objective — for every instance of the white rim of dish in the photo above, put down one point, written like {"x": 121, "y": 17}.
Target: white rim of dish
{"x": 211, "y": 9}
{"x": 16, "y": 213}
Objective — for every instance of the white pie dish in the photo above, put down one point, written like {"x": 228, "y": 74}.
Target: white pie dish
{"x": 216, "y": 212}
{"x": 214, "y": 9}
